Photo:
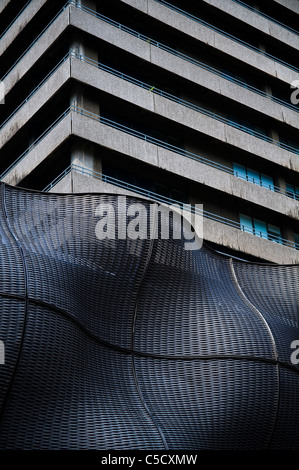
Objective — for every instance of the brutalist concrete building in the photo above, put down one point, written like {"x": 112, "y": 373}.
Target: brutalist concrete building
{"x": 139, "y": 343}
{"x": 188, "y": 102}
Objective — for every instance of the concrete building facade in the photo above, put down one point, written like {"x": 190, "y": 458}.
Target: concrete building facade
{"x": 189, "y": 102}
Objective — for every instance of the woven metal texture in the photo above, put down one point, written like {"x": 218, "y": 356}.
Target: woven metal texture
{"x": 138, "y": 344}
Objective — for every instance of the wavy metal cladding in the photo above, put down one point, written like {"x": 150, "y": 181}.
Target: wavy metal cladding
{"x": 123, "y": 344}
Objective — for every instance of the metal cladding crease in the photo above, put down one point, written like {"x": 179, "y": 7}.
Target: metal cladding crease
{"x": 138, "y": 344}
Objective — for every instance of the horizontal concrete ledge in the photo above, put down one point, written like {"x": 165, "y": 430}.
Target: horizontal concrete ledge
{"x": 152, "y": 54}
{"x": 184, "y": 166}
{"x": 213, "y": 231}
{"x": 74, "y": 182}
{"x": 249, "y": 244}
{"x": 36, "y": 102}
{"x": 22, "y": 21}
{"x": 3, "y": 5}
{"x": 259, "y": 22}
{"x": 292, "y": 5}
{"x": 37, "y": 50}
{"x": 123, "y": 143}
{"x": 181, "y": 67}
{"x": 181, "y": 114}
{"x": 133, "y": 94}
{"x": 40, "y": 152}
{"x": 216, "y": 40}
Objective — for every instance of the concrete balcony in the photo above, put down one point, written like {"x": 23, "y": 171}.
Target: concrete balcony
{"x": 3, "y": 5}
{"x": 38, "y": 152}
{"x": 196, "y": 74}
{"x": 21, "y": 22}
{"x": 35, "y": 52}
{"x": 88, "y": 74}
{"x": 213, "y": 231}
{"x": 179, "y": 66}
{"x": 260, "y": 23}
{"x": 35, "y": 103}
{"x": 214, "y": 39}
{"x": 90, "y": 128}
{"x": 290, "y": 4}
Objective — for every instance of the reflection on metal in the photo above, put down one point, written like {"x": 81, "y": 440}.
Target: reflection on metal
{"x": 138, "y": 344}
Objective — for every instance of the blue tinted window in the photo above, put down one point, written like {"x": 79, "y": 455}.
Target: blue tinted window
{"x": 246, "y": 223}
{"x": 260, "y": 228}
{"x": 253, "y": 176}
{"x": 267, "y": 182}
{"x": 239, "y": 171}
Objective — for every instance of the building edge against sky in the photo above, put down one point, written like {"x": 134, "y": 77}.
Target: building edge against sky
{"x": 180, "y": 101}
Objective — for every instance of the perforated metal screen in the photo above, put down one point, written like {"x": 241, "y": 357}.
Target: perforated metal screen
{"x": 138, "y": 344}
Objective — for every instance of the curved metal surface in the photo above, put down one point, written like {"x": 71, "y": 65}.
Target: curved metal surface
{"x": 138, "y": 344}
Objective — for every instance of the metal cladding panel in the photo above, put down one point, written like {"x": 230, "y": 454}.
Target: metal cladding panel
{"x": 211, "y": 404}
{"x": 274, "y": 292}
{"x": 12, "y": 319}
{"x": 70, "y": 392}
{"x": 285, "y": 435}
{"x": 203, "y": 312}
{"x": 138, "y": 343}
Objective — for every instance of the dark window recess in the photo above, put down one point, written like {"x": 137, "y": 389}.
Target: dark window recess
{"x": 289, "y": 143}
{"x": 247, "y": 126}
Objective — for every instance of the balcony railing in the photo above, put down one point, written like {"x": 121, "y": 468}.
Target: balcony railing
{"x": 159, "y": 45}
{"x": 155, "y": 197}
{"x": 294, "y": 31}
{"x": 152, "y": 89}
{"x": 155, "y": 90}
{"x": 228, "y": 35}
{"x": 35, "y": 143}
{"x": 142, "y": 136}
{"x": 15, "y": 19}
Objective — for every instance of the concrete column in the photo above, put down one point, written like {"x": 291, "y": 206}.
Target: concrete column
{"x": 79, "y": 97}
{"x": 288, "y": 234}
{"x": 84, "y": 155}
{"x": 281, "y": 182}
{"x": 262, "y": 47}
{"x": 268, "y": 90}
{"x": 273, "y": 134}
{"x": 87, "y": 3}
